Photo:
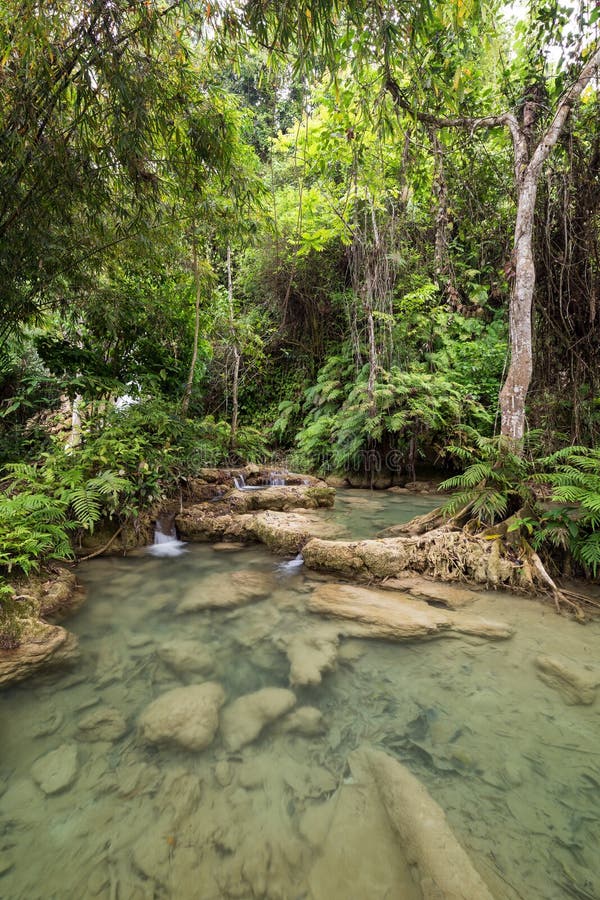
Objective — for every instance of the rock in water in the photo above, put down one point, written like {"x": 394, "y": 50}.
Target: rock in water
{"x": 307, "y": 720}
{"x": 57, "y": 770}
{"x": 311, "y": 652}
{"x": 187, "y": 656}
{"x": 244, "y": 719}
{"x": 217, "y": 592}
{"x": 104, "y": 724}
{"x": 187, "y": 717}
{"x": 576, "y": 682}
{"x": 431, "y": 591}
{"x": 440, "y": 865}
{"x": 389, "y": 614}
{"x": 51, "y": 645}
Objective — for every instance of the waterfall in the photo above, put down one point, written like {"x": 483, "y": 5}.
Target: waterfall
{"x": 240, "y": 483}
{"x": 276, "y": 479}
{"x": 291, "y": 566}
{"x": 165, "y": 539}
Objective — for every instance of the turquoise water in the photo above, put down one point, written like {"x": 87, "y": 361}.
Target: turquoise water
{"x": 516, "y": 769}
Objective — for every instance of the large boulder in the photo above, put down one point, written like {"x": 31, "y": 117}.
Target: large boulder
{"x": 244, "y": 719}
{"x": 288, "y": 532}
{"x": 281, "y": 532}
{"x": 451, "y": 555}
{"x": 390, "y": 614}
{"x": 187, "y": 717}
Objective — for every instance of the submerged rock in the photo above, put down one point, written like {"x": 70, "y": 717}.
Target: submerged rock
{"x": 311, "y": 652}
{"x": 384, "y": 614}
{"x": 225, "y": 592}
{"x": 229, "y": 546}
{"x": 576, "y": 683}
{"x": 104, "y": 724}
{"x": 57, "y": 770}
{"x": 187, "y": 655}
{"x": 6, "y": 863}
{"x": 307, "y": 720}
{"x": 223, "y": 773}
{"x": 186, "y": 716}
{"x": 357, "y": 853}
{"x": 431, "y": 591}
{"x": 244, "y": 719}
{"x": 441, "y": 867}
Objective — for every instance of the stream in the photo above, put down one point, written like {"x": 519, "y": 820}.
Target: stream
{"x": 514, "y": 767}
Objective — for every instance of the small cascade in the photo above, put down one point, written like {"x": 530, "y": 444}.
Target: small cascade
{"x": 166, "y": 542}
{"x": 240, "y": 483}
{"x": 276, "y": 479}
{"x": 291, "y": 566}
{"x": 164, "y": 537}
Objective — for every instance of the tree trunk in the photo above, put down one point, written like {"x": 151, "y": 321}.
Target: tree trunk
{"x": 440, "y": 192}
{"x": 236, "y": 355}
{"x": 529, "y": 160}
{"x": 185, "y": 400}
{"x": 515, "y": 388}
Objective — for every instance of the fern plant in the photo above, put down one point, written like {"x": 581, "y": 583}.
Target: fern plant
{"x": 496, "y": 481}
{"x": 575, "y": 480}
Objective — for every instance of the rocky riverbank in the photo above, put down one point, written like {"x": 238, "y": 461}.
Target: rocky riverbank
{"x": 38, "y": 642}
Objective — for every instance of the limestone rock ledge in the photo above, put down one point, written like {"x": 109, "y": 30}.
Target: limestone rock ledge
{"x": 396, "y": 616}
{"x": 43, "y": 646}
{"x": 446, "y": 555}
{"x": 281, "y": 532}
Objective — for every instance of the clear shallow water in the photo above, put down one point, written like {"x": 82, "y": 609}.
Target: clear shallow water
{"x": 363, "y": 513}
{"x": 516, "y": 770}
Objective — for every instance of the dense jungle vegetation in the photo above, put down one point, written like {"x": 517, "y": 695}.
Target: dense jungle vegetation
{"x": 356, "y": 237}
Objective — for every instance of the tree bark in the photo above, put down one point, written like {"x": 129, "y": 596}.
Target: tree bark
{"x": 527, "y": 175}
{"x": 440, "y": 192}
{"x": 236, "y": 355}
{"x": 516, "y": 386}
{"x": 185, "y": 400}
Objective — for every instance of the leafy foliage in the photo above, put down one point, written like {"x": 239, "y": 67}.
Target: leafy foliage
{"x": 495, "y": 482}
{"x": 574, "y": 474}
{"x": 410, "y": 411}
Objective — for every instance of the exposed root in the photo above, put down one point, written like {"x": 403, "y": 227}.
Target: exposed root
{"x": 104, "y": 548}
{"x": 458, "y": 550}
{"x": 559, "y": 597}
